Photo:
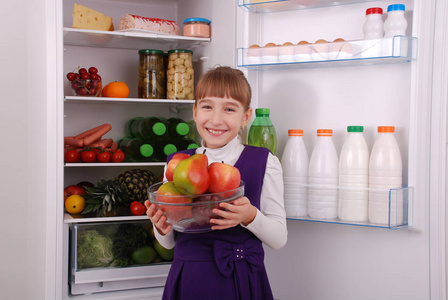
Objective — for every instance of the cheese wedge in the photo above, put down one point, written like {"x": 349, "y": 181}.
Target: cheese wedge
{"x": 87, "y": 18}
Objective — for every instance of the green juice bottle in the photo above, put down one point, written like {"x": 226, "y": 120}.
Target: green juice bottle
{"x": 137, "y": 150}
{"x": 262, "y": 131}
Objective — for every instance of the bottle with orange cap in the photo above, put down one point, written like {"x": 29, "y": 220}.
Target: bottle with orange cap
{"x": 323, "y": 178}
{"x": 385, "y": 173}
{"x": 295, "y": 163}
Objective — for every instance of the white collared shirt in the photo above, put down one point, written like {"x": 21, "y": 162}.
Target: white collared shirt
{"x": 269, "y": 224}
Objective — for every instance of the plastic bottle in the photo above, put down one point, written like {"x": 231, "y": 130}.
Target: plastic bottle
{"x": 354, "y": 177}
{"x": 176, "y": 128}
{"x": 373, "y": 26}
{"x": 148, "y": 128}
{"x": 295, "y": 163}
{"x": 323, "y": 178}
{"x": 186, "y": 143}
{"x": 395, "y": 23}
{"x": 262, "y": 131}
{"x": 385, "y": 172}
{"x": 137, "y": 149}
{"x": 162, "y": 151}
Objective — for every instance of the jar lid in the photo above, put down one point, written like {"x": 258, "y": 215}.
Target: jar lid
{"x": 374, "y": 10}
{"x": 150, "y": 51}
{"x": 197, "y": 20}
{"x": 180, "y": 51}
{"x": 262, "y": 111}
{"x": 146, "y": 150}
{"x": 393, "y": 7}
{"x": 355, "y": 128}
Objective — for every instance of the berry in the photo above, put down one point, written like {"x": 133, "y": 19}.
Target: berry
{"x": 93, "y": 70}
{"x": 71, "y": 76}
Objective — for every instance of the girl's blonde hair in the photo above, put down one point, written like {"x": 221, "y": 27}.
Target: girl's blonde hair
{"x": 224, "y": 82}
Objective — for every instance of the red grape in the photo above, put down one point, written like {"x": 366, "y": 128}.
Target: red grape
{"x": 82, "y": 71}
{"x": 94, "y": 76}
{"x": 75, "y": 85}
{"x": 85, "y": 76}
{"x": 71, "y": 76}
{"x": 93, "y": 70}
{"x": 82, "y": 91}
{"x": 92, "y": 91}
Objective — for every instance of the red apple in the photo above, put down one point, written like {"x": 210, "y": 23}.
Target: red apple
{"x": 172, "y": 164}
{"x": 168, "y": 194}
{"x": 73, "y": 190}
{"x": 223, "y": 177}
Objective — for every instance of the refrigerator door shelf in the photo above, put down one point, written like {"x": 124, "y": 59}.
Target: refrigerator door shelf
{"x": 128, "y": 40}
{"x": 398, "y": 212}
{"x": 267, "y": 6}
{"x": 399, "y": 49}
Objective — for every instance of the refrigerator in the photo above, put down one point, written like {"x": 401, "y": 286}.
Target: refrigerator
{"x": 401, "y": 85}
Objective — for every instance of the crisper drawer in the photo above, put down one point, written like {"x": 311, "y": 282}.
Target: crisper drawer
{"x": 111, "y": 256}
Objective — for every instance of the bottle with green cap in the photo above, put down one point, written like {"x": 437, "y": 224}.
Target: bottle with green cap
{"x": 137, "y": 149}
{"x": 176, "y": 128}
{"x": 162, "y": 151}
{"x": 186, "y": 143}
{"x": 354, "y": 177}
{"x": 148, "y": 128}
{"x": 262, "y": 131}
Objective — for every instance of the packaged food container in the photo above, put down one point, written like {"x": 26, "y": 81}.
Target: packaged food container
{"x": 151, "y": 75}
{"x": 180, "y": 75}
{"x": 197, "y": 27}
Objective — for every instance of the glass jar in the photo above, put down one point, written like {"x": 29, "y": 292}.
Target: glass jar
{"x": 180, "y": 75}
{"x": 197, "y": 27}
{"x": 151, "y": 75}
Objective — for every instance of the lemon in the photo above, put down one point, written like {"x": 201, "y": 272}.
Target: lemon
{"x": 74, "y": 204}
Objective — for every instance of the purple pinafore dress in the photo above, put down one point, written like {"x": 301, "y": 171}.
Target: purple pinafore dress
{"x": 223, "y": 264}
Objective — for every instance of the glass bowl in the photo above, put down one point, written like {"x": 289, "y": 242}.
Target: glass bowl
{"x": 192, "y": 213}
{"x": 86, "y": 87}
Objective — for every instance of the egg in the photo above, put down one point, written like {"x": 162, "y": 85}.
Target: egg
{"x": 319, "y": 50}
{"x": 286, "y": 52}
{"x": 339, "y": 49}
{"x": 302, "y": 52}
{"x": 269, "y": 53}
{"x": 254, "y": 54}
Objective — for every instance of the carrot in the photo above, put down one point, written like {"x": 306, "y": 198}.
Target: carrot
{"x": 73, "y": 141}
{"x": 97, "y": 134}
{"x": 90, "y": 131}
{"x": 114, "y": 146}
{"x": 104, "y": 143}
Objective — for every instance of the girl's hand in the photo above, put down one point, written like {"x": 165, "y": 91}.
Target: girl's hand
{"x": 157, "y": 218}
{"x": 241, "y": 211}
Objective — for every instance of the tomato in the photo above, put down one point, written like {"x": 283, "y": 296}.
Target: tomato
{"x": 71, "y": 156}
{"x": 88, "y": 156}
{"x": 137, "y": 208}
{"x": 104, "y": 157}
{"x": 118, "y": 156}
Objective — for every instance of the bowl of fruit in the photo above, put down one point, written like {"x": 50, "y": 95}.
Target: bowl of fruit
{"x": 193, "y": 190}
{"x": 85, "y": 82}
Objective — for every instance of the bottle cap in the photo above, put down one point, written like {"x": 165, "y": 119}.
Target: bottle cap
{"x": 393, "y": 7}
{"x": 262, "y": 111}
{"x": 146, "y": 150}
{"x": 324, "y": 132}
{"x": 159, "y": 128}
{"x": 295, "y": 132}
{"x": 355, "y": 128}
{"x": 169, "y": 148}
{"x": 386, "y": 129}
{"x": 374, "y": 10}
{"x": 192, "y": 146}
{"x": 182, "y": 128}
{"x": 197, "y": 20}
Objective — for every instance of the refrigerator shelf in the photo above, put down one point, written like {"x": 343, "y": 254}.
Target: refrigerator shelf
{"x": 267, "y": 6}
{"x": 399, "y": 214}
{"x": 86, "y": 100}
{"x": 399, "y": 49}
{"x": 69, "y": 219}
{"x": 128, "y": 39}
{"x": 122, "y": 164}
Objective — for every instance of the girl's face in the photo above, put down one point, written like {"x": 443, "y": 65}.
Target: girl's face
{"x": 219, "y": 120}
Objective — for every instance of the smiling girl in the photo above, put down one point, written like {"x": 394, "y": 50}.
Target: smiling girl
{"x": 227, "y": 262}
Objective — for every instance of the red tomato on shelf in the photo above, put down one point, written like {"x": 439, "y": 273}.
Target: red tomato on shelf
{"x": 137, "y": 208}
{"x": 118, "y": 156}
{"x": 88, "y": 156}
{"x": 71, "y": 156}
{"x": 104, "y": 157}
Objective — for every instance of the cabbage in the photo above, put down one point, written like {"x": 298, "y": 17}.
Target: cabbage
{"x": 94, "y": 250}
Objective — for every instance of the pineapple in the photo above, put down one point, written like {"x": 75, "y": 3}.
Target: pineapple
{"x": 114, "y": 197}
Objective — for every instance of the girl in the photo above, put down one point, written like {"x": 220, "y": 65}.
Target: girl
{"x": 227, "y": 262}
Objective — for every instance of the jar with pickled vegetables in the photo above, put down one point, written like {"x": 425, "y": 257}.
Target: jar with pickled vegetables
{"x": 180, "y": 75}
{"x": 151, "y": 75}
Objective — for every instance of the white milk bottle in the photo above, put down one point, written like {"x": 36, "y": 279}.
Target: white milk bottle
{"x": 295, "y": 174}
{"x": 323, "y": 178}
{"x": 354, "y": 177}
{"x": 385, "y": 172}
{"x": 373, "y": 32}
{"x": 395, "y": 23}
